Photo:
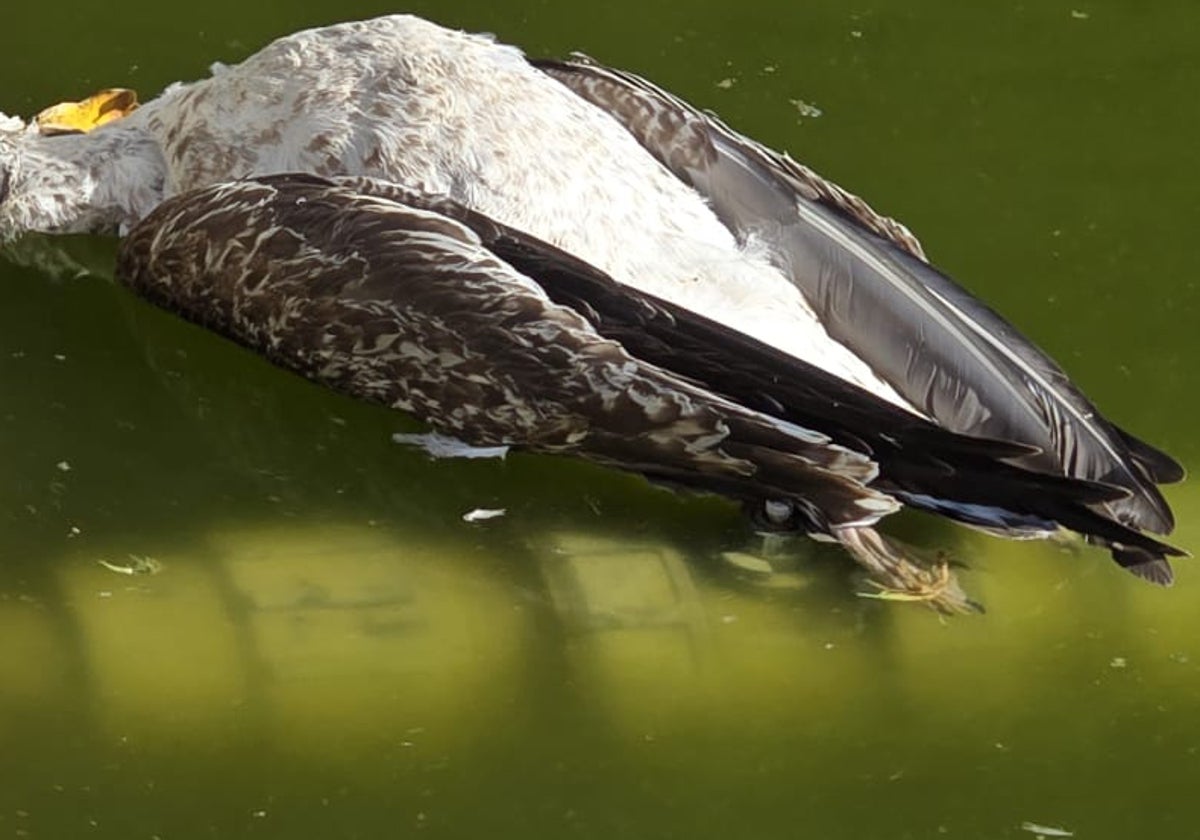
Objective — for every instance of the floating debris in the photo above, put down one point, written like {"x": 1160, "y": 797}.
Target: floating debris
{"x": 1078, "y": 15}
{"x": 483, "y": 514}
{"x": 746, "y": 562}
{"x": 64, "y": 466}
{"x": 1118, "y": 662}
{"x": 443, "y": 446}
{"x": 137, "y": 565}
{"x": 726, "y": 83}
{"x": 806, "y": 109}
{"x": 1046, "y": 830}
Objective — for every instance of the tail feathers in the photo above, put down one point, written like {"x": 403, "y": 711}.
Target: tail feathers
{"x": 974, "y": 373}
{"x": 824, "y": 489}
{"x": 776, "y": 474}
{"x": 1147, "y": 564}
{"x": 1156, "y": 570}
{"x": 722, "y": 447}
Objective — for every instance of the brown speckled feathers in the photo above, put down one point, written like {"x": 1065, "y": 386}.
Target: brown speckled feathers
{"x": 405, "y": 307}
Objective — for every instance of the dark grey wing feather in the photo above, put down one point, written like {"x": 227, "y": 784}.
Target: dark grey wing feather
{"x": 943, "y": 350}
{"x": 1157, "y": 465}
{"x": 405, "y": 307}
{"x": 682, "y": 139}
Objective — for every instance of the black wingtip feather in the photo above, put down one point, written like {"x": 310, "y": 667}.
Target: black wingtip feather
{"x": 1156, "y": 571}
{"x": 1158, "y": 466}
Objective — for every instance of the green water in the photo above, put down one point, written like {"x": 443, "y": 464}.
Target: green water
{"x": 330, "y": 651}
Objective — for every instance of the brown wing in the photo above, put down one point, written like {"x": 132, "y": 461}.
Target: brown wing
{"x": 405, "y": 307}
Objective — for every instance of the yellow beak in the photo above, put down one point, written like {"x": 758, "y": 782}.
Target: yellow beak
{"x": 87, "y": 114}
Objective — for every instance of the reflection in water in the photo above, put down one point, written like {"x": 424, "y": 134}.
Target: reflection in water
{"x": 317, "y": 636}
{"x": 423, "y": 659}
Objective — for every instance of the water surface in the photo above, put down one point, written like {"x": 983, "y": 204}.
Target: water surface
{"x": 330, "y": 651}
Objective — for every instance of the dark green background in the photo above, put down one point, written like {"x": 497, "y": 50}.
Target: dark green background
{"x": 1046, "y": 155}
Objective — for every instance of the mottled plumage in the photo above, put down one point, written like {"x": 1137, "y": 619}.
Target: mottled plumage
{"x": 406, "y": 307}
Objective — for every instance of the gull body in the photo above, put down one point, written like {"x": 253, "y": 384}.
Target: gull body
{"x": 662, "y": 199}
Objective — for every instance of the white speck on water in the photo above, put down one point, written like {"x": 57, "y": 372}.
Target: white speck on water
{"x": 806, "y": 109}
{"x": 65, "y": 466}
{"x": 855, "y": 33}
{"x": 726, "y": 83}
{"x": 59, "y": 357}
{"x": 483, "y": 514}
{"x": 1118, "y": 662}
{"x": 1046, "y": 830}
{"x": 1079, "y": 15}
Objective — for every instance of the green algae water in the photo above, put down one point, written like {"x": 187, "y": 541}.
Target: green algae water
{"x": 294, "y": 633}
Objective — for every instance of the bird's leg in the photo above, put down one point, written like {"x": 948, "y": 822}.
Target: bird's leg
{"x": 898, "y": 578}
{"x": 87, "y": 114}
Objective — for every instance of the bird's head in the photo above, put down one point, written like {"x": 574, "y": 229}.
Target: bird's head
{"x": 72, "y": 181}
